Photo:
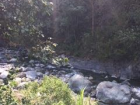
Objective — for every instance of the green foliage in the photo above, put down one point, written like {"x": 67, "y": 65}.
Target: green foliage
{"x": 81, "y": 100}
{"x": 116, "y": 34}
{"x": 50, "y": 91}
{"x": 44, "y": 51}
{"x": 60, "y": 61}
{"x": 22, "y": 20}
{"x": 6, "y": 97}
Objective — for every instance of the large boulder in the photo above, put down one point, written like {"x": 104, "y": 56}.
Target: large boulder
{"x": 113, "y": 93}
{"x": 78, "y": 82}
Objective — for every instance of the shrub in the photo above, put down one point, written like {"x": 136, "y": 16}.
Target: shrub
{"x": 50, "y": 91}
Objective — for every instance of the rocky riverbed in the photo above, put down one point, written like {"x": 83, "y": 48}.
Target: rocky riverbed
{"x": 105, "y": 88}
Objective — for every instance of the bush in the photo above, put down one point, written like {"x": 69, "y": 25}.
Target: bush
{"x": 51, "y": 91}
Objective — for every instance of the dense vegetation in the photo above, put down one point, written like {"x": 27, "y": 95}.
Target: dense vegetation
{"x": 100, "y": 28}
{"x": 50, "y": 91}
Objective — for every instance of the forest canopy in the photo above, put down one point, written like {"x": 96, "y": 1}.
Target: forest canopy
{"x": 104, "y": 29}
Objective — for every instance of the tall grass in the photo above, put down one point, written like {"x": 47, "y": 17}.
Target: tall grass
{"x": 85, "y": 101}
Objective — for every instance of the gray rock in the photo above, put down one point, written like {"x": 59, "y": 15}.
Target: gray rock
{"x": 47, "y": 73}
{"x": 42, "y": 65}
{"x": 13, "y": 60}
{"x": 1, "y": 82}
{"x": 29, "y": 69}
{"x": 22, "y": 69}
{"x": 136, "y": 92}
{"x": 39, "y": 65}
{"x": 90, "y": 78}
{"x": 31, "y": 75}
{"x": 78, "y": 82}
{"x": 50, "y": 67}
{"x": 134, "y": 102}
{"x": 39, "y": 74}
{"x": 21, "y": 75}
{"x": 39, "y": 69}
{"x": 113, "y": 93}
{"x": 18, "y": 80}
{"x": 31, "y": 61}
{"x": 22, "y": 85}
{"x": 4, "y": 74}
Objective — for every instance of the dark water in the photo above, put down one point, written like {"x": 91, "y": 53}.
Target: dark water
{"x": 97, "y": 78}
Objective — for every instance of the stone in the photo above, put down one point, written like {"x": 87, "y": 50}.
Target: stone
{"x": 23, "y": 79}
{"x": 78, "y": 82}
{"x": 134, "y": 102}
{"x": 1, "y": 82}
{"x": 42, "y": 65}
{"x": 50, "y": 67}
{"x": 39, "y": 65}
{"x": 18, "y": 80}
{"x": 31, "y": 61}
{"x": 136, "y": 92}
{"x": 93, "y": 94}
{"x": 27, "y": 80}
{"x": 39, "y": 69}
{"x": 21, "y": 75}
{"x": 39, "y": 74}
{"x": 22, "y": 69}
{"x": 29, "y": 69}
{"x": 90, "y": 78}
{"x": 63, "y": 79}
{"x": 13, "y": 60}
{"x": 31, "y": 75}
{"x": 22, "y": 85}
{"x": 47, "y": 73}
{"x": 113, "y": 93}
{"x": 4, "y": 74}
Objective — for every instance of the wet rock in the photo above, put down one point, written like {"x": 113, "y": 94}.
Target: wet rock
{"x": 113, "y": 93}
{"x": 31, "y": 75}
{"x": 78, "y": 82}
